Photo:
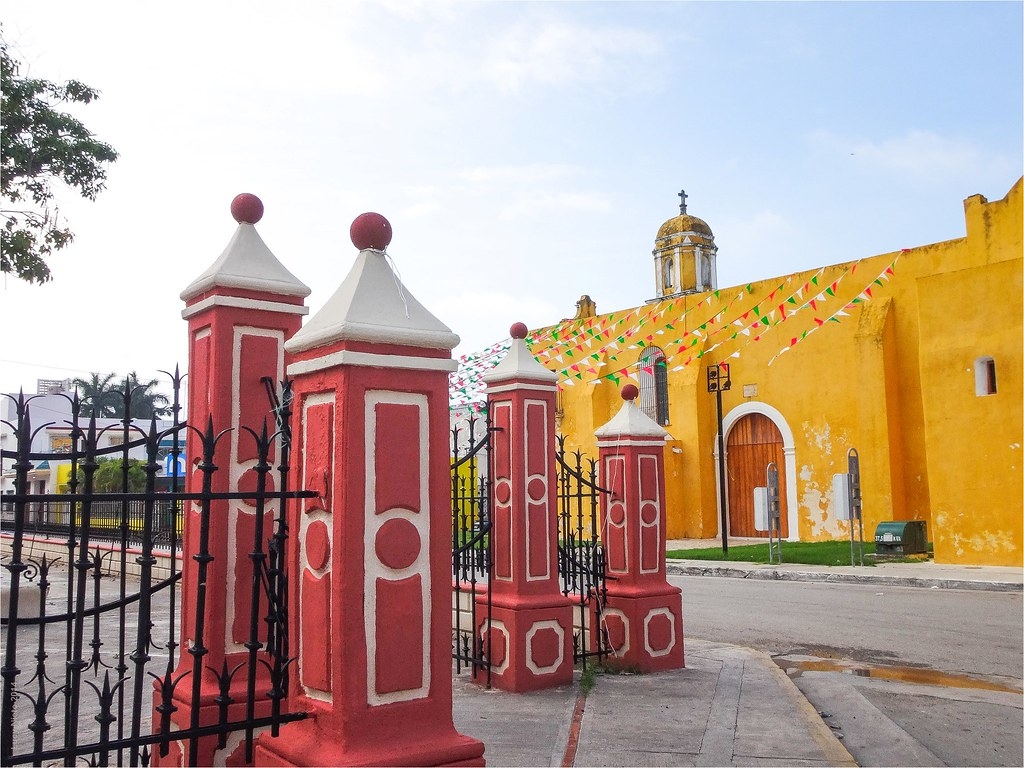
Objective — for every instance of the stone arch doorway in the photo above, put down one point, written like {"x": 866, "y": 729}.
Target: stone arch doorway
{"x": 753, "y": 442}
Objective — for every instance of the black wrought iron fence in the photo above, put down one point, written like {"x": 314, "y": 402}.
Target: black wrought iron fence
{"x": 92, "y": 666}
{"x": 471, "y": 547}
{"x": 54, "y": 516}
{"x": 581, "y": 555}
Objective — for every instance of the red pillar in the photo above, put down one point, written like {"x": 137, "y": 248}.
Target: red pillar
{"x": 532, "y": 621}
{"x": 643, "y": 614}
{"x": 372, "y": 586}
{"x": 240, "y": 312}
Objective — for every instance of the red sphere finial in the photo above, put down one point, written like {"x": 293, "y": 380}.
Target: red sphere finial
{"x": 518, "y": 330}
{"x": 370, "y": 230}
{"x": 630, "y": 392}
{"x": 246, "y": 208}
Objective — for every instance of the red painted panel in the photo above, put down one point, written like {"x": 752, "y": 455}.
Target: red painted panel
{"x": 648, "y": 470}
{"x": 537, "y": 449}
{"x": 650, "y": 544}
{"x": 318, "y": 545}
{"x": 498, "y": 646}
{"x": 537, "y": 514}
{"x": 397, "y": 543}
{"x": 501, "y": 529}
{"x": 501, "y": 546}
{"x": 245, "y": 527}
{"x": 316, "y": 453}
{"x": 615, "y": 522}
{"x": 659, "y": 632}
{"x": 650, "y": 514}
{"x": 397, "y": 459}
{"x": 315, "y": 627}
{"x": 545, "y": 645}
{"x": 615, "y": 474}
{"x": 399, "y": 619}
{"x": 616, "y": 629}
{"x": 258, "y": 357}
{"x": 198, "y": 390}
{"x": 615, "y": 536}
{"x": 502, "y": 440}
{"x": 249, "y": 483}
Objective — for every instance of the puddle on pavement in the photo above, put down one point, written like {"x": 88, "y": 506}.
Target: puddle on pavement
{"x": 794, "y": 668}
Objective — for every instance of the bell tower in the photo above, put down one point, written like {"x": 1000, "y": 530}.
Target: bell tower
{"x": 685, "y": 256}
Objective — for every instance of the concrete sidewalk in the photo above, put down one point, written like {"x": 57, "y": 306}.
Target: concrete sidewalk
{"x": 729, "y": 706}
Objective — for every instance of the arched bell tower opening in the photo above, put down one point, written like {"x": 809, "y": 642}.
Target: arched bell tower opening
{"x": 685, "y": 255}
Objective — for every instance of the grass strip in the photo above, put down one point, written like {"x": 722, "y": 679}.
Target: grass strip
{"x": 802, "y": 552}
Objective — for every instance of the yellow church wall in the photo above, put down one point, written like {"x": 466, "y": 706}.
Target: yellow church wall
{"x": 974, "y": 441}
{"x": 804, "y": 387}
{"x": 881, "y": 427}
{"x": 875, "y": 355}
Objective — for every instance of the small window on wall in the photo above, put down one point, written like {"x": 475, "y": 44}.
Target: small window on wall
{"x": 653, "y": 380}
{"x": 984, "y": 376}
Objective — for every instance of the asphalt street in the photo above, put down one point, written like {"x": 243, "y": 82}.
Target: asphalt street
{"x": 905, "y": 675}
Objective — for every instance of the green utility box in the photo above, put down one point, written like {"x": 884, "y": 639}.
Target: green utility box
{"x": 901, "y": 537}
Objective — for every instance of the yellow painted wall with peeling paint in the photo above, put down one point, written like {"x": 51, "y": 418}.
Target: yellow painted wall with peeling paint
{"x": 877, "y": 355}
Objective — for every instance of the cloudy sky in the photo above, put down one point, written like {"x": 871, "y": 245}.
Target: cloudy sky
{"x": 525, "y": 153}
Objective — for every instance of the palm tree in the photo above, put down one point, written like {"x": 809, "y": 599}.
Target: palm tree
{"x": 146, "y": 402}
{"x": 99, "y": 396}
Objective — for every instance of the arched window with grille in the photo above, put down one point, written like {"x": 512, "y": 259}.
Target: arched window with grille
{"x": 653, "y": 379}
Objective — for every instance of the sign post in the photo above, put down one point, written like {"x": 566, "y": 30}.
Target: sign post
{"x": 774, "y": 523}
{"x": 718, "y": 382}
{"x": 853, "y": 475}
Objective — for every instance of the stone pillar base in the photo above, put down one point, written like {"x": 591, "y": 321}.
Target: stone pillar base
{"x": 208, "y": 753}
{"x": 306, "y": 744}
{"x": 645, "y": 630}
{"x": 531, "y": 644}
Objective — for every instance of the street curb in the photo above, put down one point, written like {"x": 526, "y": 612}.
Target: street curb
{"x": 768, "y": 573}
{"x": 836, "y": 752}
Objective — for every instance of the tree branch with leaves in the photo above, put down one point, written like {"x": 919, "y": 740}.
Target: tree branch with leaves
{"x": 41, "y": 145}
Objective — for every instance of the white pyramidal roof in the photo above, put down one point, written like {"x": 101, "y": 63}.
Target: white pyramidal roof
{"x": 247, "y": 263}
{"x": 630, "y": 421}
{"x": 371, "y": 304}
{"x": 519, "y": 363}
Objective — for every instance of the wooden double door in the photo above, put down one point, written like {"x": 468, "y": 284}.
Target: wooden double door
{"x": 752, "y": 444}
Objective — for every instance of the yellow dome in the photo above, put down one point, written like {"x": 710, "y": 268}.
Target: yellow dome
{"x": 684, "y": 223}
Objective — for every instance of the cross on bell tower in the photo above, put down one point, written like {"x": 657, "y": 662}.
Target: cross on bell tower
{"x": 685, "y": 255}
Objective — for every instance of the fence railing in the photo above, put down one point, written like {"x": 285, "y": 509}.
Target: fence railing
{"x": 113, "y": 521}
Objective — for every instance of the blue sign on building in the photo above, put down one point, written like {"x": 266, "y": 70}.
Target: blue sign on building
{"x": 174, "y": 468}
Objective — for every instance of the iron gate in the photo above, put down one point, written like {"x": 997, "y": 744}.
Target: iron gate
{"x": 86, "y": 664}
{"x": 471, "y": 546}
{"x": 581, "y": 557}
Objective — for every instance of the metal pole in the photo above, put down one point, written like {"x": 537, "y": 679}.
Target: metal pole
{"x": 853, "y": 470}
{"x": 721, "y": 474}
{"x": 853, "y": 515}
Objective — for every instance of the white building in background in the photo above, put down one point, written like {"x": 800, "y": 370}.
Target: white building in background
{"x": 50, "y": 414}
